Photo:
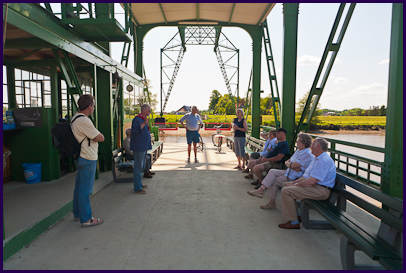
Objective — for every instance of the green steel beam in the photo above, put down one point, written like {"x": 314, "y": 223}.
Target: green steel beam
{"x": 38, "y": 22}
{"x": 11, "y": 87}
{"x": 104, "y": 98}
{"x": 163, "y": 12}
{"x": 197, "y": 12}
{"x": 290, "y": 26}
{"x": 181, "y": 30}
{"x": 318, "y": 87}
{"x": 392, "y": 181}
{"x": 216, "y": 42}
{"x": 232, "y": 12}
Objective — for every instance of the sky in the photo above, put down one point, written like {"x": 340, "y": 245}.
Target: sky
{"x": 359, "y": 77}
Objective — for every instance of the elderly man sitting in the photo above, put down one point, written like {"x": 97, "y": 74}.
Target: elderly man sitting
{"x": 297, "y": 164}
{"x": 256, "y": 158}
{"x": 275, "y": 158}
{"x": 316, "y": 183}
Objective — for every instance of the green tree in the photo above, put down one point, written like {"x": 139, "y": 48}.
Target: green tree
{"x": 225, "y": 105}
{"x": 214, "y": 99}
{"x": 301, "y": 105}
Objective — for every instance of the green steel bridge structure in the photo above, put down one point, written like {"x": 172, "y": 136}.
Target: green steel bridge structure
{"x": 55, "y": 52}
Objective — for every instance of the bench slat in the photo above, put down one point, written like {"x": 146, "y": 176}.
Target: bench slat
{"x": 376, "y": 211}
{"x": 389, "y": 201}
{"x": 370, "y": 244}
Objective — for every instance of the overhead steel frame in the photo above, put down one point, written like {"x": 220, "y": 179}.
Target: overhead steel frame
{"x": 43, "y": 25}
{"x": 324, "y": 69}
{"x": 172, "y": 55}
{"x": 256, "y": 34}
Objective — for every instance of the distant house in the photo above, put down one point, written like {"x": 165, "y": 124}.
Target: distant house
{"x": 183, "y": 110}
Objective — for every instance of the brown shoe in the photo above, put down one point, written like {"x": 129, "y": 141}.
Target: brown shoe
{"x": 256, "y": 193}
{"x": 246, "y": 171}
{"x": 288, "y": 225}
{"x": 140, "y": 192}
{"x": 249, "y": 176}
{"x": 268, "y": 206}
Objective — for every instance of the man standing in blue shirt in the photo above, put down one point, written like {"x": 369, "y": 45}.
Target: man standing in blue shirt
{"x": 193, "y": 124}
{"x": 140, "y": 144}
{"x": 316, "y": 183}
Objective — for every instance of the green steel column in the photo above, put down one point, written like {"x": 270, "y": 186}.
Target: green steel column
{"x": 290, "y": 22}
{"x": 104, "y": 117}
{"x": 55, "y": 92}
{"x": 138, "y": 50}
{"x": 11, "y": 88}
{"x": 121, "y": 112}
{"x": 256, "y": 81}
{"x": 95, "y": 115}
{"x": 392, "y": 180}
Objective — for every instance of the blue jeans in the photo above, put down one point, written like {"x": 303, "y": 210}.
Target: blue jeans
{"x": 139, "y": 165}
{"x": 83, "y": 188}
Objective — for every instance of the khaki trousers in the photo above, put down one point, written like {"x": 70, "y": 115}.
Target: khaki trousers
{"x": 291, "y": 193}
{"x": 273, "y": 181}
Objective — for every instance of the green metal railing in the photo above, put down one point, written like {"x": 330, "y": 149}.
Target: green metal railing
{"x": 363, "y": 169}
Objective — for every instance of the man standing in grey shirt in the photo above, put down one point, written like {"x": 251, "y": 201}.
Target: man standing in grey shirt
{"x": 193, "y": 125}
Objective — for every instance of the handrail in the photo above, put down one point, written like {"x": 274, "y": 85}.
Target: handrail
{"x": 353, "y": 169}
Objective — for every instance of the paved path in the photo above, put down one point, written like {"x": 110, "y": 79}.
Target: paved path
{"x": 194, "y": 216}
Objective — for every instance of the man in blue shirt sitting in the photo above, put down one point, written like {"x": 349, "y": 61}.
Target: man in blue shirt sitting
{"x": 256, "y": 158}
{"x": 316, "y": 183}
{"x": 275, "y": 158}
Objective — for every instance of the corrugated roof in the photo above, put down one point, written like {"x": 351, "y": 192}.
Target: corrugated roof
{"x": 199, "y": 13}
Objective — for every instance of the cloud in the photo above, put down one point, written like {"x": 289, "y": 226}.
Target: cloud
{"x": 384, "y": 61}
{"x": 308, "y": 60}
{"x": 372, "y": 88}
{"x": 340, "y": 80}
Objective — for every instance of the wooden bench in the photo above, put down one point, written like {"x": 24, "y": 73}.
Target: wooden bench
{"x": 382, "y": 245}
{"x": 121, "y": 164}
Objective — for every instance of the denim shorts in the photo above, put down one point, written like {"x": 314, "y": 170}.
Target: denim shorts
{"x": 192, "y": 136}
{"x": 239, "y": 146}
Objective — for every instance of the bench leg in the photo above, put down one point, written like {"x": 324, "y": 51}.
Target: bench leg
{"x": 312, "y": 224}
{"x": 347, "y": 251}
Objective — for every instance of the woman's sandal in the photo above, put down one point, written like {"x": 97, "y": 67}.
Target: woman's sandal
{"x": 94, "y": 221}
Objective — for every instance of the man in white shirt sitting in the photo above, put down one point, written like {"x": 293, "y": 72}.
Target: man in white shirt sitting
{"x": 316, "y": 183}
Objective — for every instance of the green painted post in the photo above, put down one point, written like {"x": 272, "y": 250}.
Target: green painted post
{"x": 138, "y": 50}
{"x": 121, "y": 112}
{"x": 55, "y": 96}
{"x": 95, "y": 115}
{"x": 11, "y": 88}
{"x": 392, "y": 179}
{"x": 290, "y": 23}
{"x": 104, "y": 117}
{"x": 256, "y": 81}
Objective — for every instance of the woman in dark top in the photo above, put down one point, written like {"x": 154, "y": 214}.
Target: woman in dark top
{"x": 240, "y": 127}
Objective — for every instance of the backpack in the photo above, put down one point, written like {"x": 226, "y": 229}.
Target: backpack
{"x": 64, "y": 140}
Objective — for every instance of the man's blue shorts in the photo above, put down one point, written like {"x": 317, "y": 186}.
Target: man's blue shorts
{"x": 192, "y": 136}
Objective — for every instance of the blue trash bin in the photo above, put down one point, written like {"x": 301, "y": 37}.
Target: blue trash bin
{"x": 32, "y": 172}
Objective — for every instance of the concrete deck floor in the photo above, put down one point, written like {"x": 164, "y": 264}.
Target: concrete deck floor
{"x": 194, "y": 216}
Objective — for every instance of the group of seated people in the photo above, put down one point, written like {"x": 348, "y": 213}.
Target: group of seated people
{"x": 310, "y": 173}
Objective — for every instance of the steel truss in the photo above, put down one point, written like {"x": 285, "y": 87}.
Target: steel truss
{"x": 228, "y": 57}
{"x": 323, "y": 71}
